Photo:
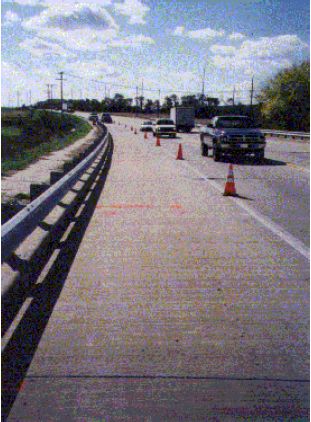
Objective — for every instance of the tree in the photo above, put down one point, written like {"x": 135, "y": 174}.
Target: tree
{"x": 175, "y": 100}
{"x": 189, "y": 101}
{"x": 285, "y": 100}
{"x": 149, "y": 106}
{"x": 168, "y": 103}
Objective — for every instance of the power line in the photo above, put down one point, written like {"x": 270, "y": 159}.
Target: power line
{"x": 132, "y": 87}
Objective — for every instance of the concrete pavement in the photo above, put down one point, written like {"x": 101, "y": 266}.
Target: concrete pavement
{"x": 178, "y": 306}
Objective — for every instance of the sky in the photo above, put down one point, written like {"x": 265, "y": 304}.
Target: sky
{"x": 159, "y": 46}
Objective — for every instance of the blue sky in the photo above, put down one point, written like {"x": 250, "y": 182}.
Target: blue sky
{"x": 163, "y": 44}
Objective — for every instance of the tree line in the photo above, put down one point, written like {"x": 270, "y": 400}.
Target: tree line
{"x": 283, "y": 103}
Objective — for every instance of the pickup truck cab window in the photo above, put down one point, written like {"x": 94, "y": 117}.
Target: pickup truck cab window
{"x": 165, "y": 122}
{"x": 234, "y": 122}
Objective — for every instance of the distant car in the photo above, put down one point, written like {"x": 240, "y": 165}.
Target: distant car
{"x": 146, "y": 126}
{"x": 106, "y": 118}
{"x": 93, "y": 117}
{"x": 164, "y": 127}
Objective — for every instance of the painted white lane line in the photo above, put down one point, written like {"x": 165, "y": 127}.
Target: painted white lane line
{"x": 265, "y": 221}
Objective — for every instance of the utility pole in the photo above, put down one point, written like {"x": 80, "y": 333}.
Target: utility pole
{"x": 105, "y": 90}
{"x": 61, "y": 79}
{"x": 18, "y": 95}
{"x": 48, "y": 91}
{"x": 142, "y": 95}
{"x": 203, "y": 82}
{"x": 51, "y": 92}
{"x": 233, "y": 96}
{"x": 252, "y": 93}
{"x": 136, "y": 111}
{"x": 159, "y": 103}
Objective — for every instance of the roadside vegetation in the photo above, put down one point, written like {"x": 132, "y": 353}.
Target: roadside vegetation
{"x": 27, "y": 135}
{"x": 285, "y": 101}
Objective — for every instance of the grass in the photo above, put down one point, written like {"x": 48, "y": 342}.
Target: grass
{"x": 22, "y": 196}
{"x": 26, "y": 138}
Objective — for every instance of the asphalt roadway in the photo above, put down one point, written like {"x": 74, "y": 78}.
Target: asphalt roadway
{"x": 182, "y": 304}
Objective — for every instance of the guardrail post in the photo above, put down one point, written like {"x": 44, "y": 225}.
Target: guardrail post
{"x": 36, "y": 190}
{"x": 67, "y": 167}
{"x": 55, "y": 176}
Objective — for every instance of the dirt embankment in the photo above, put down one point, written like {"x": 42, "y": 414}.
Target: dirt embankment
{"x": 16, "y": 186}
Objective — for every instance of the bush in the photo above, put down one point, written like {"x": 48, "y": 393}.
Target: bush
{"x": 285, "y": 101}
{"x": 25, "y": 138}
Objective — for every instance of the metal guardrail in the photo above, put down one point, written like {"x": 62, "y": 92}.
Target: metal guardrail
{"x": 284, "y": 133}
{"x": 14, "y": 231}
{"x": 302, "y": 135}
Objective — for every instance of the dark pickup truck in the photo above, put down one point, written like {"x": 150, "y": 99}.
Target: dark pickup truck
{"x": 234, "y": 135}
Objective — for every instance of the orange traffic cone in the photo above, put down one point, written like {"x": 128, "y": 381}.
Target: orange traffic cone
{"x": 179, "y": 154}
{"x": 145, "y": 135}
{"x": 158, "y": 144}
{"x": 230, "y": 186}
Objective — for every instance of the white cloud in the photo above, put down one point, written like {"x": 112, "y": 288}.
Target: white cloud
{"x": 28, "y": 2}
{"x": 179, "y": 31}
{"x": 13, "y": 80}
{"x": 11, "y": 17}
{"x": 169, "y": 81}
{"x": 71, "y": 17}
{"x": 134, "y": 9}
{"x": 65, "y": 3}
{"x": 224, "y": 50}
{"x": 236, "y": 36}
{"x": 41, "y": 48}
{"x": 93, "y": 69}
{"x": 80, "y": 26}
{"x": 10, "y": 70}
{"x": 132, "y": 41}
{"x": 281, "y": 46}
{"x": 262, "y": 57}
{"x": 205, "y": 34}
{"x": 81, "y": 40}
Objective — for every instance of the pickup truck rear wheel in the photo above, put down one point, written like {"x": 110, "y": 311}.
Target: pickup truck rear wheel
{"x": 216, "y": 154}
{"x": 259, "y": 156}
{"x": 204, "y": 150}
